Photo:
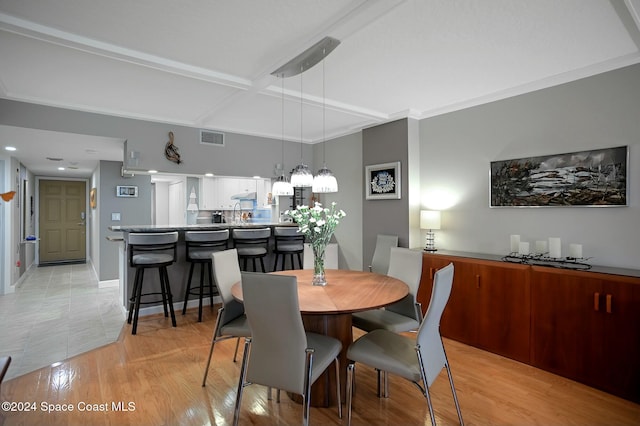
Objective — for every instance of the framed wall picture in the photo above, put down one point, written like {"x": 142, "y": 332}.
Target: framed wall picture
{"x": 596, "y": 178}
{"x": 126, "y": 191}
{"x": 383, "y": 181}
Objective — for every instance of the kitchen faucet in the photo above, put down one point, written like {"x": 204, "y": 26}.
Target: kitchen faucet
{"x": 237, "y": 204}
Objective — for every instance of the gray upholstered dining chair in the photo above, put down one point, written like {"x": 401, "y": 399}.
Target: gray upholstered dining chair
{"x": 231, "y": 322}
{"x": 405, "y": 315}
{"x": 419, "y": 361}
{"x": 279, "y": 353}
{"x": 380, "y": 259}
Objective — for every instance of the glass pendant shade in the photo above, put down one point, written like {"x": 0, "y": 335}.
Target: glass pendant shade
{"x": 282, "y": 187}
{"x": 324, "y": 182}
{"x": 301, "y": 176}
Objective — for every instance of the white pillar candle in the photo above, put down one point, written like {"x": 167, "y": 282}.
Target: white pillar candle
{"x": 515, "y": 243}
{"x": 575, "y": 251}
{"x": 555, "y": 249}
{"x": 523, "y": 248}
{"x": 541, "y": 247}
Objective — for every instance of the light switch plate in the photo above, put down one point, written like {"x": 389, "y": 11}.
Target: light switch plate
{"x": 115, "y": 217}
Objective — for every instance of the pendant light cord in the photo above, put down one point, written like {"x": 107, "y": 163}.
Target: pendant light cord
{"x": 282, "y": 125}
{"x": 324, "y": 112}
{"x": 301, "y": 158}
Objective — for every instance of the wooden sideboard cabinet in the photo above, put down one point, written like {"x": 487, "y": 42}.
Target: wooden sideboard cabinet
{"x": 583, "y": 325}
{"x": 489, "y": 305}
{"x": 586, "y": 326}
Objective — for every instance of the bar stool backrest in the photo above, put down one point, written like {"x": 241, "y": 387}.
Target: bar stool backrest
{"x": 158, "y": 247}
{"x": 200, "y": 244}
{"x": 251, "y": 237}
{"x": 288, "y": 238}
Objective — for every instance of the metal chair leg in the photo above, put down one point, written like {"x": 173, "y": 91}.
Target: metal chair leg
{"x": 241, "y": 381}
{"x": 350, "y": 376}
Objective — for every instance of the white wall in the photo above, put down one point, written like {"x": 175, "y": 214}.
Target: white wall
{"x": 456, "y": 149}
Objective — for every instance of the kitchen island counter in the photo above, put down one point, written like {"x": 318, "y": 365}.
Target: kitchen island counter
{"x": 178, "y": 271}
{"x": 198, "y": 227}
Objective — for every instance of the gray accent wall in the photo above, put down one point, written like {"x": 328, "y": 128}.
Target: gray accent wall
{"x": 383, "y": 144}
{"x": 133, "y": 211}
{"x": 456, "y": 148}
{"x": 344, "y": 159}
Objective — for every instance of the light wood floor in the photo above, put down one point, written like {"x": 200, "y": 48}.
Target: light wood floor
{"x": 157, "y": 376}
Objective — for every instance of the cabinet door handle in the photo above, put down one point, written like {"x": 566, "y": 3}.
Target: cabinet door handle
{"x": 477, "y": 281}
{"x": 608, "y": 299}
{"x": 596, "y": 301}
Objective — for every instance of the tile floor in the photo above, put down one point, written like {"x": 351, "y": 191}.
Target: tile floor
{"x": 56, "y": 313}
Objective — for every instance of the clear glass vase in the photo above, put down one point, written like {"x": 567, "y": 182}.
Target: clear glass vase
{"x": 318, "y": 267}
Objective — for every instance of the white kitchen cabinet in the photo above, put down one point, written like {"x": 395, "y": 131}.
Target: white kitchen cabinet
{"x": 233, "y": 187}
{"x": 217, "y": 192}
{"x": 264, "y": 187}
{"x": 209, "y": 193}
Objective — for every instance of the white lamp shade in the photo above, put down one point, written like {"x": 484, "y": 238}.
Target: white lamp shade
{"x": 301, "y": 176}
{"x": 282, "y": 187}
{"x": 429, "y": 219}
{"x": 324, "y": 182}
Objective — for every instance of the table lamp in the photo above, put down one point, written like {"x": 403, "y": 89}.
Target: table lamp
{"x": 430, "y": 220}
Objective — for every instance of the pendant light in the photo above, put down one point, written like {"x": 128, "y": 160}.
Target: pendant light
{"x": 324, "y": 181}
{"x": 301, "y": 176}
{"x": 282, "y": 186}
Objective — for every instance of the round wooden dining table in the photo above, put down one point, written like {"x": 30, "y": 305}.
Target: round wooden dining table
{"x": 327, "y": 310}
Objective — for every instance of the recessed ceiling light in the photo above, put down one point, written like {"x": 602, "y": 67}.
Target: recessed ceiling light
{"x": 152, "y": 171}
{"x": 60, "y": 168}
{"x": 10, "y": 148}
{"x": 208, "y": 174}
{"x": 256, "y": 177}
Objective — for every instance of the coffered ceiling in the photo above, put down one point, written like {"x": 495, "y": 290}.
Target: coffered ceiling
{"x": 208, "y": 64}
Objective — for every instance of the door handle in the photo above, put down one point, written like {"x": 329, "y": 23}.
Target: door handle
{"x": 608, "y": 303}
{"x": 596, "y": 301}
{"x": 477, "y": 281}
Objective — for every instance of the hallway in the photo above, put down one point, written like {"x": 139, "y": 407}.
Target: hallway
{"x": 56, "y": 313}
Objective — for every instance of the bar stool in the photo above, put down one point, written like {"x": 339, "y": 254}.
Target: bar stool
{"x": 252, "y": 244}
{"x": 288, "y": 241}
{"x": 200, "y": 245}
{"x": 151, "y": 250}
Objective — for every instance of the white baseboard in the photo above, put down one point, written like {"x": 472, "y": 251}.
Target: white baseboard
{"x": 109, "y": 283}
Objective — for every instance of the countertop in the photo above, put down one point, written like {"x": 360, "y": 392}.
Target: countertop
{"x": 198, "y": 227}
{"x": 499, "y": 258}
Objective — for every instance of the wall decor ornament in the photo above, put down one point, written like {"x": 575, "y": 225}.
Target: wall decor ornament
{"x": 93, "y": 198}
{"x": 596, "y": 178}
{"x": 171, "y": 151}
{"x": 383, "y": 181}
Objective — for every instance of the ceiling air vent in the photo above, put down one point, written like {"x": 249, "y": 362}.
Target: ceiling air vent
{"x": 207, "y": 137}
